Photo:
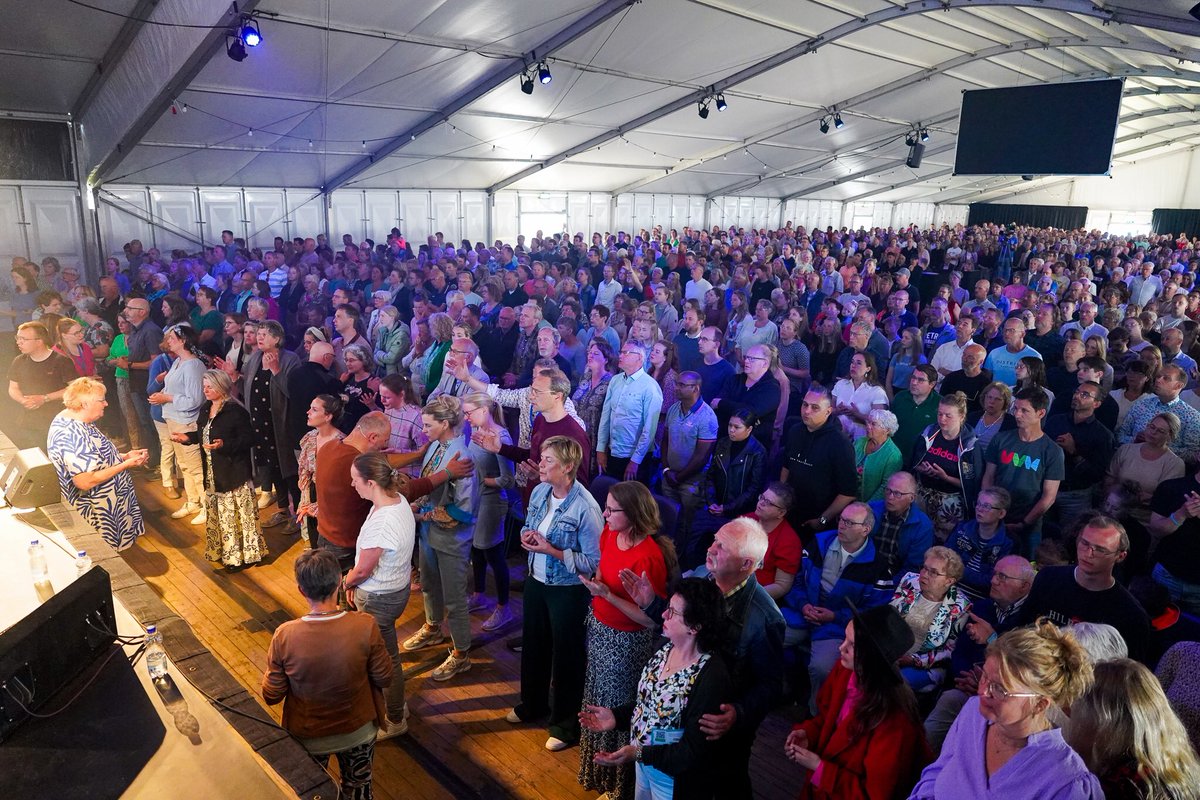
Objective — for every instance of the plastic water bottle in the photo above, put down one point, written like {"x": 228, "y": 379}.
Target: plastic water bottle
{"x": 83, "y": 562}
{"x": 37, "y": 561}
{"x": 156, "y": 658}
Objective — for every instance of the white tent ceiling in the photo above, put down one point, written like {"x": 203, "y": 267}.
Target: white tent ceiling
{"x": 426, "y": 93}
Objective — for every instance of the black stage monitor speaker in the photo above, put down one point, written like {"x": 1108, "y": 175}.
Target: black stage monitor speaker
{"x": 915, "y": 153}
{"x": 53, "y": 644}
{"x": 30, "y": 480}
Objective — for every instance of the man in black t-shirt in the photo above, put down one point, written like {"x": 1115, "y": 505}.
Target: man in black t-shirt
{"x": 1088, "y": 592}
{"x": 819, "y": 465}
{"x": 1174, "y": 509}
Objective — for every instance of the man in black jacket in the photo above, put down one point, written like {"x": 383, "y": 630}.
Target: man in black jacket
{"x": 819, "y": 465}
{"x": 311, "y": 379}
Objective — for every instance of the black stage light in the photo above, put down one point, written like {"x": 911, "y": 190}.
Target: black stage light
{"x": 526, "y": 84}
{"x": 837, "y": 121}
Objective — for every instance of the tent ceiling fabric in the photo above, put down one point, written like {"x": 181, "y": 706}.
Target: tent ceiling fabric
{"x": 335, "y": 83}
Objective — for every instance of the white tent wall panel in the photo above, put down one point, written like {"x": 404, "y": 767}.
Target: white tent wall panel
{"x": 383, "y": 212}
{"x": 950, "y": 215}
{"x": 505, "y": 221}
{"x": 222, "y": 210}
{"x": 266, "y": 216}
{"x": 445, "y": 215}
{"x": 906, "y": 214}
{"x": 38, "y": 220}
{"x": 123, "y": 212}
{"x": 306, "y": 213}
{"x": 179, "y": 211}
{"x": 475, "y": 217}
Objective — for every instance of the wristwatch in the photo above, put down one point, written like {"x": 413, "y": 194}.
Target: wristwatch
{"x": 823, "y": 521}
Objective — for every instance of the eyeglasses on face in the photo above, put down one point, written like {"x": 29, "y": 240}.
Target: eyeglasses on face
{"x": 994, "y": 691}
{"x": 936, "y": 573}
{"x": 670, "y": 612}
{"x": 890, "y": 492}
{"x": 843, "y": 522}
{"x": 762, "y": 498}
{"x": 1085, "y": 545}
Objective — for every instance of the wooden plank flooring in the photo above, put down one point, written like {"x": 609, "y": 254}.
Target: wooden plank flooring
{"x": 459, "y": 745}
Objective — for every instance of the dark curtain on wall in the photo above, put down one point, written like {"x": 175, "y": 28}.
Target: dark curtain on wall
{"x": 1176, "y": 220}
{"x": 1065, "y": 217}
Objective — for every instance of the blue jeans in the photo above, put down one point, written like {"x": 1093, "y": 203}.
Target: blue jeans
{"x": 652, "y": 784}
{"x": 1185, "y": 594}
{"x": 921, "y": 680}
{"x": 387, "y": 609}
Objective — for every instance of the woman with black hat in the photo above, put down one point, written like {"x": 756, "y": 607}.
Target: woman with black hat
{"x": 866, "y": 739}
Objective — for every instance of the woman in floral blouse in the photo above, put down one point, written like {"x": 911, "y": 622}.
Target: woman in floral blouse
{"x": 682, "y": 681}
{"x": 935, "y": 611}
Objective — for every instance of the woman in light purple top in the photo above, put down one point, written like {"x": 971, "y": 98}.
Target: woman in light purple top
{"x": 1002, "y": 746}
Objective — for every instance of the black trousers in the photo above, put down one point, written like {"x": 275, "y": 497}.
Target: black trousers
{"x": 554, "y": 652}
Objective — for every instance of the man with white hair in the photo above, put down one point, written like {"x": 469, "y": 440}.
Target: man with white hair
{"x": 1086, "y": 324}
{"x": 755, "y": 642}
{"x": 1011, "y": 582}
{"x": 462, "y": 352}
{"x": 629, "y": 417}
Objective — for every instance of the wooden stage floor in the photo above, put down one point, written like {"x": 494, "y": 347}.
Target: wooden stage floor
{"x": 459, "y": 745}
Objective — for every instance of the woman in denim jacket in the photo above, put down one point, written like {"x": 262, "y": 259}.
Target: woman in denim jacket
{"x": 562, "y": 537}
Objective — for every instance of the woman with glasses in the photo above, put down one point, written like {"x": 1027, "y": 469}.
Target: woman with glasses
{"x": 1002, "y": 745}
{"x": 92, "y": 474}
{"x": 876, "y": 456}
{"x": 681, "y": 682}
{"x": 784, "y": 550}
{"x": 935, "y": 611}
{"x": 361, "y": 385}
{"x": 620, "y": 637}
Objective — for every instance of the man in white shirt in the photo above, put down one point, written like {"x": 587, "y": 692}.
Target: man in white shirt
{"x": 1087, "y": 325}
{"x": 948, "y": 357}
{"x": 697, "y": 287}
{"x": 274, "y": 272}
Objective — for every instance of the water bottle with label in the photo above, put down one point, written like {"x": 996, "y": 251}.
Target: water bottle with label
{"x": 37, "y": 561}
{"x": 156, "y": 658}
{"x": 83, "y": 562}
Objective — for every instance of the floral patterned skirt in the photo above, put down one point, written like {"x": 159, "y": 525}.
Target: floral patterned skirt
{"x": 233, "y": 535}
{"x": 614, "y": 665}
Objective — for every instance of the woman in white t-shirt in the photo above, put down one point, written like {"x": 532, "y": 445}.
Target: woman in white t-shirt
{"x": 856, "y": 396}
{"x": 382, "y": 566}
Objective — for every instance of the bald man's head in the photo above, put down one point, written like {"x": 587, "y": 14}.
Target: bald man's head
{"x": 320, "y": 351}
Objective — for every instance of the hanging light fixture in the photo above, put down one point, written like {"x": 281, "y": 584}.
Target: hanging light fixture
{"x": 703, "y": 109}
{"x": 544, "y": 75}
{"x": 837, "y": 121}
{"x": 235, "y": 49}
{"x": 824, "y": 126}
{"x": 250, "y": 34}
{"x": 526, "y": 83}
{"x": 721, "y": 104}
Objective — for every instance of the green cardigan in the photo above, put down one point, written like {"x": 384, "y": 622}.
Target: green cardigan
{"x": 874, "y": 470}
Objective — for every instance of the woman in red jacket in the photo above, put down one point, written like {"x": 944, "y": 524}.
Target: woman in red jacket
{"x": 866, "y": 740}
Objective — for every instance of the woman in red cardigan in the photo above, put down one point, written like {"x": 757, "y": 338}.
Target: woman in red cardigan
{"x": 866, "y": 740}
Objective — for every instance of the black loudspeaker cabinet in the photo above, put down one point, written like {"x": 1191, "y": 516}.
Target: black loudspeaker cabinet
{"x": 50, "y": 646}
{"x": 30, "y": 480}
{"x": 915, "y": 154}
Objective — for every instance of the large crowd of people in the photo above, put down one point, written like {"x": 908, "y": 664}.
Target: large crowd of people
{"x": 906, "y": 479}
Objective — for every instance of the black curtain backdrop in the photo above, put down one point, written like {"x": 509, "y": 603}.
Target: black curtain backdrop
{"x": 1176, "y": 220}
{"x": 1065, "y": 217}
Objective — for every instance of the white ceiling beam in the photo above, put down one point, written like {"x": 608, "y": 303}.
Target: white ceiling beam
{"x": 895, "y": 86}
{"x": 1082, "y": 7}
{"x": 941, "y": 173}
{"x": 494, "y": 78}
{"x": 119, "y": 110}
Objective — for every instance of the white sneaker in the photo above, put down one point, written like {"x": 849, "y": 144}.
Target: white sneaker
{"x": 393, "y": 729}
{"x": 499, "y": 618}
{"x": 200, "y": 518}
{"x": 187, "y": 510}
{"x": 265, "y": 499}
{"x": 554, "y": 744}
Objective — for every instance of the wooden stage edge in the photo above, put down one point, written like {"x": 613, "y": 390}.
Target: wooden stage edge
{"x": 459, "y": 745}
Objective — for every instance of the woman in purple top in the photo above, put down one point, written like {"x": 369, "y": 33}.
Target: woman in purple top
{"x": 1002, "y": 744}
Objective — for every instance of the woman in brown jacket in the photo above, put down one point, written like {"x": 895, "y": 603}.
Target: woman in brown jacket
{"x": 330, "y": 669}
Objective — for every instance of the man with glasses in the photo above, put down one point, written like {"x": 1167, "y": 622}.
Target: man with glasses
{"x": 982, "y": 542}
{"x": 990, "y": 617}
{"x": 629, "y": 417}
{"x": 688, "y": 437}
{"x": 1088, "y": 592}
{"x": 143, "y": 343}
{"x": 1171, "y": 381}
{"x": 841, "y": 568}
{"x": 1087, "y": 447}
{"x": 915, "y": 408}
{"x": 462, "y": 352}
{"x": 714, "y": 371}
{"x": 903, "y": 532}
{"x": 37, "y": 380}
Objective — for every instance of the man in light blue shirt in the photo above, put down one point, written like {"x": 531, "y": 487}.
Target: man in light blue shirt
{"x": 629, "y": 417}
{"x": 1003, "y": 360}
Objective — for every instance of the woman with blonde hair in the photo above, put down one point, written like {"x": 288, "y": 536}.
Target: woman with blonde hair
{"x": 441, "y": 328}
{"x": 223, "y": 432}
{"x": 1002, "y": 744}
{"x": 91, "y": 473}
{"x": 1129, "y": 736}
{"x": 494, "y": 474}
{"x": 446, "y": 516}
